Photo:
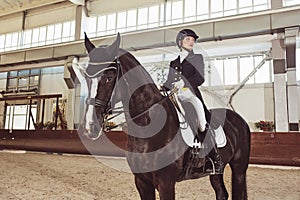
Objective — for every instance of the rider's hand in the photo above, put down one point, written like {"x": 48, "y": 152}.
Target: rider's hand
{"x": 179, "y": 84}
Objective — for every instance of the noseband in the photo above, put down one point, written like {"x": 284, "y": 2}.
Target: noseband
{"x": 96, "y": 102}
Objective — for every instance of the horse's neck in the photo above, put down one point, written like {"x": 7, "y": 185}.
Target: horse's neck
{"x": 141, "y": 91}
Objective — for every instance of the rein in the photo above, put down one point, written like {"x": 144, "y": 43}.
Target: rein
{"x": 166, "y": 96}
{"x": 103, "y": 104}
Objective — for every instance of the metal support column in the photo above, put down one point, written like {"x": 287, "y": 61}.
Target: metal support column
{"x": 292, "y": 92}
{"x": 280, "y": 95}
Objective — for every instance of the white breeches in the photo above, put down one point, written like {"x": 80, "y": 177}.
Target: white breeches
{"x": 186, "y": 95}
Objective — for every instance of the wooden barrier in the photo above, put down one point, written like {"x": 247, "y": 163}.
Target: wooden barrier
{"x": 280, "y": 148}
{"x": 266, "y": 147}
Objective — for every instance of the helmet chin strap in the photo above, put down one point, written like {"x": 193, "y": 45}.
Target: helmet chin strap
{"x": 188, "y": 50}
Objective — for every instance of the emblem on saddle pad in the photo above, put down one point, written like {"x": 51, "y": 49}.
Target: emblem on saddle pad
{"x": 188, "y": 135}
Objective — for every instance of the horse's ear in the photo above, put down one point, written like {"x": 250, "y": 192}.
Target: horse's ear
{"x": 88, "y": 44}
{"x": 113, "y": 49}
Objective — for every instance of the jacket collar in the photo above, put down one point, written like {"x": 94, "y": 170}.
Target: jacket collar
{"x": 187, "y": 56}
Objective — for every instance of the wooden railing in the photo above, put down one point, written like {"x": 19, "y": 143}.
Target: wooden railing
{"x": 266, "y": 147}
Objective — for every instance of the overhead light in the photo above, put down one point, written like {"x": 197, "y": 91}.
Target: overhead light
{"x": 78, "y": 2}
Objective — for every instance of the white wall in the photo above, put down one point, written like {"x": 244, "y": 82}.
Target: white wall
{"x": 253, "y": 102}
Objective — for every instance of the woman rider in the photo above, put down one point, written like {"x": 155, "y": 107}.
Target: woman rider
{"x": 186, "y": 73}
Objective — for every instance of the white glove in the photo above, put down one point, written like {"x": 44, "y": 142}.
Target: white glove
{"x": 179, "y": 84}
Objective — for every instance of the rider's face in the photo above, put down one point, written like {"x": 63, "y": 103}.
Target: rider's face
{"x": 188, "y": 42}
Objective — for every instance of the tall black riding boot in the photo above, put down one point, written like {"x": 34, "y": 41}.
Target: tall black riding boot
{"x": 214, "y": 153}
{"x": 216, "y": 158}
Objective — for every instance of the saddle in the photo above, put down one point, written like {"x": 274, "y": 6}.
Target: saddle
{"x": 196, "y": 159}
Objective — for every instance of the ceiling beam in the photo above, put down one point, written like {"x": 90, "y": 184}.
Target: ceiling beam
{"x": 7, "y": 10}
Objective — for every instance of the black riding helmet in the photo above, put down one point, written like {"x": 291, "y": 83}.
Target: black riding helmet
{"x": 183, "y": 33}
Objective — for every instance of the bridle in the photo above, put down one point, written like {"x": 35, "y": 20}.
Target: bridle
{"x": 98, "y": 103}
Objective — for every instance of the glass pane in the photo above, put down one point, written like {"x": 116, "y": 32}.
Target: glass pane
{"x": 50, "y": 32}
{"x": 24, "y": 73}
{"x": 8, "y": 118}
{"x": 168, "y": 12}
{"x": 230, "y": 4}
{"x": 263, "y": 74}
{"x": 20, "y": 109}
{"x": 13, "y": 73}
{"x": 2, "y": 39}
{"x": 72, "y": 30}
{"x": 177, "y": 10}
{"x": 34, "y": 80}
{"x": 190, "y": 8}
{"x": 35, "y": 35}
{"x": 131, "y": 18}
{"x": 245, "y": 3}
{"x": 258, "y": 2}
{"x": 202, "y": 7}
{"x": 3, "y": 75}
{"x": 8, "y": 40}
{"x": 23, "y": 82}
{"x": 57, "y": 31}
{"x": 67, "y": 28}
{"x": 231, "y": 73}
{"x": 153, "y": 14}
{"x": 19, "y": 122}
{"x": 101, "y": 23}
{"x": 216, "y": 5}
{"x": 43, "y": 31}
{"x": 290, "y": 2}
{"x": 111, "y": 21}
{"x": 92, "y": 25}
{"x": 13, "y": 82}
{"x": 35, "y": 71}
{"x": 15, "y": 39}
{"x": 34, "y": 114}
{"x": 27, "y": 36}
{"x": 121, "y": 22}
{"x": 246, "y": 67}
{"x": 142, "y": 16}
{"x": 217, "y": 73}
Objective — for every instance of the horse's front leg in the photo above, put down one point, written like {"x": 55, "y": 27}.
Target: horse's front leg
{"x": 166, "y": 190}
{"x": 217, "y": 182}
{"x": 146, "y": 189}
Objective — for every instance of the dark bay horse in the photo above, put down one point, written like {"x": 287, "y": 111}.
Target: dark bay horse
{"x": 156, "y": 151}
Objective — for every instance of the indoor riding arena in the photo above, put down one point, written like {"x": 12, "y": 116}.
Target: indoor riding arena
{"x": 85, "y": 113}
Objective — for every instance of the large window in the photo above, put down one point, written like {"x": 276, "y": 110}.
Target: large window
{"x": 17, "y": 116}
{"x": 170, "y": 12}
{"x": 233, "y": 70}
{"x": 45, "y": 35}
{"x": 219, "y": 71}
{"x": 290, "y": 2}
{"x": 24, "y": 80}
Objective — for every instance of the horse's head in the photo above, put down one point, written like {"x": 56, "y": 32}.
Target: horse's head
{"x": 101, "y": 75}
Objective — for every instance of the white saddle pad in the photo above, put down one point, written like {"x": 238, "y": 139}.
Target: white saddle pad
{"x": 188, "y": 135}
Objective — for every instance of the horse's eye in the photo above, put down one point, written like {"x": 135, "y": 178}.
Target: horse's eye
{"x": 108, "y": 79}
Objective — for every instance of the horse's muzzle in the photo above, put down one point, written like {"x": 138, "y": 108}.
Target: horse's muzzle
{"x": 92, "y": 130}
